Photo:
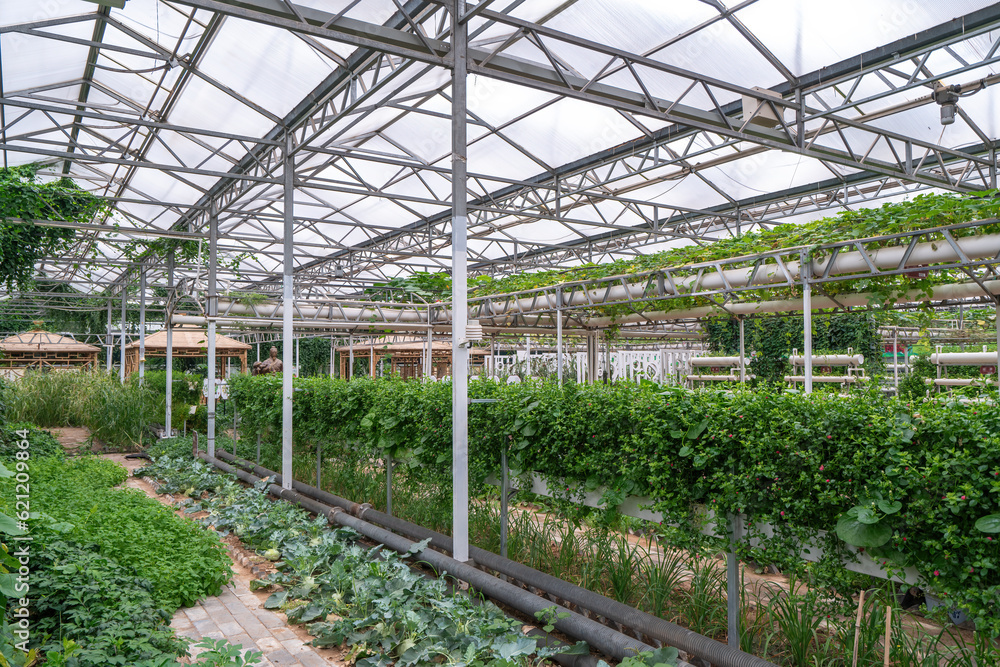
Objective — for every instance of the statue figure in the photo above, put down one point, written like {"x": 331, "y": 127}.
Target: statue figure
{"x": 270, "y": 365}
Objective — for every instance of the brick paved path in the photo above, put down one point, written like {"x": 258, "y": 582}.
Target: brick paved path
{"x": 238, "y": 616}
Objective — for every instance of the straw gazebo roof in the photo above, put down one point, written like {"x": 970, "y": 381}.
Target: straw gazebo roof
{"x": 185, "y": 338}
{"x": 43, "y": 341}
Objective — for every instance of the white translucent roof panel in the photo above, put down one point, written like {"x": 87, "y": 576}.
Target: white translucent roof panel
{"x": 806, "y": 36}
{"x": 203, "y": 105}
{"x": 31, "y": 62}
{"x": 570, "y": 129}
{"x": 268, "y": 66}
{"x": 639, "y": 26}
{"x": 160, "y": 22}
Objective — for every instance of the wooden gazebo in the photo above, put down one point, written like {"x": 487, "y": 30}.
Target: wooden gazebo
{"x": 44, "y": 351}
{"x": 188, "y": 342}
{"x": 407, "y": 358}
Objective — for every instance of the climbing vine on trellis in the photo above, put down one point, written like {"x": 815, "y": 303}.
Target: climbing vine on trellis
{"x": 24, "y": 198}
{"x": 774, "y": 337}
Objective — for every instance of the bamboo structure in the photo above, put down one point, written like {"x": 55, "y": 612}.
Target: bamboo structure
{"x": 187, "y": 343}
{"x": 407, "y": 359}
{"x": 42, "y": 350}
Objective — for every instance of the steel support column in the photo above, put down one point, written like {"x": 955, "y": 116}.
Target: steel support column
{"x": 121, "y": 357}
{"x": 213, "y": 312}
{"x": 807, "y": 339}
{"x": 460, "y": 309}
{"x": 110, "y": 340}
{"x": 559, "y": 337}
{"x": 142, "y": 326}
{"x": 743, "y": 352}
{"x": 168, "y": 412}
{"x": 288, "y": 306}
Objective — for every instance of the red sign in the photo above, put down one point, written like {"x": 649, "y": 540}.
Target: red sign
{"x": 988, "y": 370}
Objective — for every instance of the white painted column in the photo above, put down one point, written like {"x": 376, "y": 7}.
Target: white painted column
{"x": 168, "y": 416}
{"x": 213, "y": 312}
{"x": 460, "y": 311}
{"x": 288, "y": 305}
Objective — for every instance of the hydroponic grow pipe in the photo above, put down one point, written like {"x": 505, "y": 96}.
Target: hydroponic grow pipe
{"x": 671, "y": 634}
{"x": 844, "y": 263}
{"x": 858, "y": 299}
{"x": 604, "y": 639}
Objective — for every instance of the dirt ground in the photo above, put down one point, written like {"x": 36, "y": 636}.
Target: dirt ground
{"x": 76, "y": 441}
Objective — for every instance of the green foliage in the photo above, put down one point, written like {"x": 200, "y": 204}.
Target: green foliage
{"x": 116, "y": 414}
{"x": 385, "y": 611}
{"x": 182, "y": 562}
{"x": 798, "y": 463}
{"x": 23, "y": 197}
{"x": 40, "y": 443}
{"x": 773, "y": 337}
{"x": 104, "y": 608}
{"x": 912, "y": 386}
{"x": 922, "y": 212}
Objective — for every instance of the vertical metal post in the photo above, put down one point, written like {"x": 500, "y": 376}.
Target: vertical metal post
{"x": 121, "y": 359}
{"x": 110, "y": 340}
{"x": 733, "y": 584}
{"x": 807, "y": 339}
{"x": 460, "y": 306}
{"x": 350, "y": 363}
{"x": 527, "y": 355}
{"x": 895, "y": 358}
{"x": 743, "y": 353}
{"x": 504, "y": 496}
{"x": 429, "y": 368}
{"x": 169, "y": 413}
{"x": 331, "y": 356}
{"x": 142, "y": 326}
{"x": 371, "y": 357}
{"x": 997, "y": 322}
{"x": 319, "y": 464}
{"x": 298, "y": 355}
{"x": 213, "y": 312}
{"x": 288, "y": 305}
{"x": 559, "y": 337}
{"x": 388, "y": 484}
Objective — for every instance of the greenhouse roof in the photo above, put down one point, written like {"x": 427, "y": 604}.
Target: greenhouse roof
{"x": 596, "y": 130}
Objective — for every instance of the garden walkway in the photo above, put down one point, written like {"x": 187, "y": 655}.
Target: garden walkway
{"x": 237, "y": 614}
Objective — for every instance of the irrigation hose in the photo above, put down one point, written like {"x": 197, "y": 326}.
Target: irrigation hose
{"x": 717, "y": 653}
{"x": 604, "y": 639}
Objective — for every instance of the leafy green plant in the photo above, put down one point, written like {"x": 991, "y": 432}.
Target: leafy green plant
{"x": 181, "y": 561}
{"x": 383, "y": 609}
{"x": 24, "y": 197}
{"x": 865, "y": 525}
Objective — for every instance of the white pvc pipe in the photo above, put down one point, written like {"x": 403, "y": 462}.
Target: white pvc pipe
{"x": 715, "y": 362}
{"x": 974, "y": 247}
{"x": 964, "y": 358}
{"x": 960, "y": 382}
{"x": 829, "y": 360}
{"x": 859, "y": 299}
